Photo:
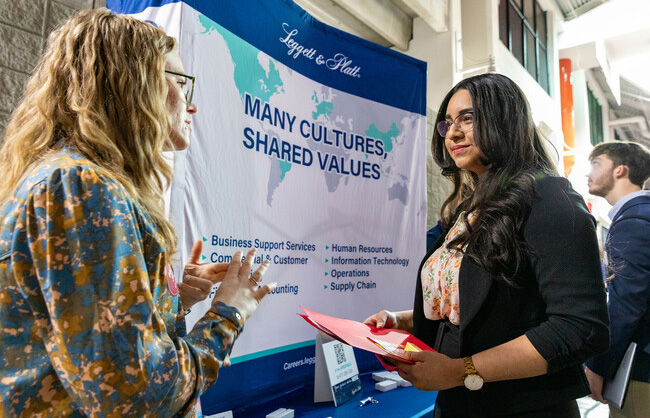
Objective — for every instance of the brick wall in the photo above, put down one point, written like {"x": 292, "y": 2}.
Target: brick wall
{"x": 24, "y": 26}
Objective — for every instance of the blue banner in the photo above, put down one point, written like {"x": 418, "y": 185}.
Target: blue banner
{"x": 309, "y": 144}
{"x": 308, "y": 46}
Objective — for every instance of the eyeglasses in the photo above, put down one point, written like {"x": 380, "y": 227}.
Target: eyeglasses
{"x": 463, "y": 122}
{"x": 188, "y": 87}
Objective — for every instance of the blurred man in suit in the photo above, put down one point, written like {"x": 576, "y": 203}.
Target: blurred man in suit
{"x": 618, "y": 172}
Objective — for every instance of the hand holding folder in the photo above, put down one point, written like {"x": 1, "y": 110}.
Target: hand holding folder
{"x": 616, "y": 388}
{"x": 386, "y": 343}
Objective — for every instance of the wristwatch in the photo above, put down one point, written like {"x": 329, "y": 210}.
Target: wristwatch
{"x": 472, "y": 380}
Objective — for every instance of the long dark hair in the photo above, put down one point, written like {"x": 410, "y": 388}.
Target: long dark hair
{"x": 500, "y": 200}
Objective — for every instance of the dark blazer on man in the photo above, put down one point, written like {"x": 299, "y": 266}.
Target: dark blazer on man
{"x": 628, "y": 254}
{"x": 559, "y": 305}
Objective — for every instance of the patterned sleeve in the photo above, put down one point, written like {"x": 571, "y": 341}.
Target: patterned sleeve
{"x": 93, "y": 302}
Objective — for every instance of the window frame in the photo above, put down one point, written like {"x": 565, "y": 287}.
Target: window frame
{"x": 596, "y": 125}
{"x": 528, "y": 29}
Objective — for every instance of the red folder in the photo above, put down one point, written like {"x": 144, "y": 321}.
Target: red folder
{"x": 384, "y": 342}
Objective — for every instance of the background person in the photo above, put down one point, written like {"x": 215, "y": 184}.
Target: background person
{"x": 512, "y": 298}
{"x": 89, "y": 319}
{"x": 618, "y": 172}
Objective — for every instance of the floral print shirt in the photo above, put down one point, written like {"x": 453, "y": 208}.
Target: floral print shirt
{"x": 88, "y": 326}
{"x": 439, "y": 278}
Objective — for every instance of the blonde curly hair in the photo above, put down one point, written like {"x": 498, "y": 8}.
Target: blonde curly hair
{"x": 99, "y": 89}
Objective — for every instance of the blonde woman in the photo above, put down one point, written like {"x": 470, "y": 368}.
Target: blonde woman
{"x": 89, "y": 315}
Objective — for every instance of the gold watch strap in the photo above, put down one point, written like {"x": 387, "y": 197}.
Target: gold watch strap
{"x": 469, "y": 366}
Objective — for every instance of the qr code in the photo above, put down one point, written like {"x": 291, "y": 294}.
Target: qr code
{"x": 340, "y": 354}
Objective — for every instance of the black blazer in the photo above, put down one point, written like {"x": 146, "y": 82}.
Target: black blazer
{"x": 560, "y": 305}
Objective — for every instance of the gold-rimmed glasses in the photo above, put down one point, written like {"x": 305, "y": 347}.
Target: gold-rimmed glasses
{"x": 463, "y": 122}
{"x": 187, "y": 85}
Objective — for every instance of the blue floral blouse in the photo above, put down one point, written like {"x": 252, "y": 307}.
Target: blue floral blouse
{"x": 88, "y": 326}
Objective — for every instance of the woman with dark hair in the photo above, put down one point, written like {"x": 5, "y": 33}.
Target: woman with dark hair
{"x": 511, "y": 296}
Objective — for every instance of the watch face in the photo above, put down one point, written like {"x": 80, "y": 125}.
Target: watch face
{"x": 473, "y": 382}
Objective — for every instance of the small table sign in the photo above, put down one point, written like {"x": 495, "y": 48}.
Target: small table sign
{"x": 336, "y": 373}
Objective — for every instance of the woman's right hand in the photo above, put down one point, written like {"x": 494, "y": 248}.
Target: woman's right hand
{"x": 387, "y": 319}
{"x": 239, "y": 288}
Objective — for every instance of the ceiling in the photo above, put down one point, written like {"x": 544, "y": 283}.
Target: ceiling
{"x": 630, "y": 118}
{"x": 622, "y": 28}
{"x": 390, "y": 23}
{"x": 384, "y": 22}
{"x": 574, "y": 8}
